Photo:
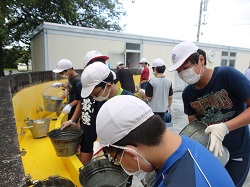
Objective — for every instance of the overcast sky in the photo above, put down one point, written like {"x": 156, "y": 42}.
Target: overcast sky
{"x": 227, "y": 21}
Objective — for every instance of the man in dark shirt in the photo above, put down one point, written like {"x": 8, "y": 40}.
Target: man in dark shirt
{"x": 125, "y": 77}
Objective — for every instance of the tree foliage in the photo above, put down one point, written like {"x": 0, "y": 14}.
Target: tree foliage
{"x": 19, "y": 18}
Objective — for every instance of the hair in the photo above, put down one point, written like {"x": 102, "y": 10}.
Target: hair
{"x": 194, "y": 58}
{"x": 160, "y": 69}
{"x": 149, "y": 133}
{"x": 110, "y": 79}
{"x": 95, "y": 60}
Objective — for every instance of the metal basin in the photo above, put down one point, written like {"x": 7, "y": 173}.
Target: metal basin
{"x": 55, "y": 181}
{"x": 196, "y": 131}
{"x": 65, "y": 141}
{"x": 102, "y": 173}
{"x": 39, "y": 128}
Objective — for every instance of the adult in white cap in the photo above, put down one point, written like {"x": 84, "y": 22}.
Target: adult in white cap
{"x": 159, "y": 91}
{"x": 125, "y": 76}
{"x": 65, "y": 68}
{"x": 130, "y": 132}
{"x": 220, "y": 97}
{"x": 144, "y": 74}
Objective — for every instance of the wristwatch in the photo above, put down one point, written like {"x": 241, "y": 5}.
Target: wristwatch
{"x": 73, "y": 123}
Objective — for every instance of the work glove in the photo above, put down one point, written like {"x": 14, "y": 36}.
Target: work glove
{"x": 141, "y": 92}
{"x": 57, "y": 84}
{"x": 137, "y": 87}
{"x": 218, "y": 132}
{"x": 170, "y": 109}
{"x": 66, "y": 109}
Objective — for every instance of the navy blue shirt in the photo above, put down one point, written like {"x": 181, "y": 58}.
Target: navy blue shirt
{"x": 222, "y": 99}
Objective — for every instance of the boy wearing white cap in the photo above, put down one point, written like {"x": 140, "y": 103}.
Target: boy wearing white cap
{"x": 65, "y": 68}
{"x": 159, "y": 91}
{"x": 97, "y": 81}
{"x": 220, "y": 97}
{"x": 140, "y": 141}
{"x": 88, "y": 108}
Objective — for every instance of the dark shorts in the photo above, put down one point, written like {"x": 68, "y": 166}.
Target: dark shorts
{"x": 238, "y": 170}
{"x": 88, "y": 138}
{"x": 144, "y": 85}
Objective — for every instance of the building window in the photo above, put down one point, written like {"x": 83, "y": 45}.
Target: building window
{"x": 133, "y": 46}
{"x": 228, "y": 58}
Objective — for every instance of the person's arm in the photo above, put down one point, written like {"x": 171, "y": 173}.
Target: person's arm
{"x": 75, "y": 116}
{"x": 170, "y": 99}
{"x": 149, "y": 91}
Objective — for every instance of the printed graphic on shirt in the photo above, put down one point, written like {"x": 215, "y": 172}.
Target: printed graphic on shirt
{"x": 86, "y": 110}
{"x": 209, "y": 107}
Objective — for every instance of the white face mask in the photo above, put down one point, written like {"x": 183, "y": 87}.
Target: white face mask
{"x": 154, "y": 72}
{"x": 189, "y": 76}
{"x": 139, "y": 171}
{"x": 65, "y": 76}
{"x": 101, "y": 97}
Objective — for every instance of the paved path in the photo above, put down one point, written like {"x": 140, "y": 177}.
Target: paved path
{"x": 180, "y": 121}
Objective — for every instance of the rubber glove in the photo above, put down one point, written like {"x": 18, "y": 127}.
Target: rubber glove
{"x": 170, "y": 109}
{"x": 66, "y": 109}
{"x": 218, "y": 132}
{"x": 57, "y": 84}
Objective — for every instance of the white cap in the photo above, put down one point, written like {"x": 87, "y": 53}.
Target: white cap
{"x": 119, "y": 63}
{"x": 62, "y": 65}
{"x": 181, "y": 52}
{"x": 143, "y": 60}
{"x": 114, "y": 74}
{"x": 93, "y": 75}
{"x": 92, "y": 55}
{"x": 158, "y": 62}
{"x": 119, "y": 116}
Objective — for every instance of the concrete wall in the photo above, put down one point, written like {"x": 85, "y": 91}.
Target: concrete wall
{"x": 11, "y": 172}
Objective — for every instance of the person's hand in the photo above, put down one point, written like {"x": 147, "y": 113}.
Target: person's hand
{"x": 57, "y": 84}
{"x": 170, "y": 109}
{"x": 138, "y": 87}
{"x": 141, "y": 92}
{"x": 66, "y": 109}
{"x": 66, "y": 124}
{"x": 218, "y": 132}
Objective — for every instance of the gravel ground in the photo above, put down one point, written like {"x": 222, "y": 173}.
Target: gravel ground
{"x": 179, "y": 121}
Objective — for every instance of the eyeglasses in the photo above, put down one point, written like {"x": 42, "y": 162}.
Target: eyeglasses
{"x": 113, "y": 160}
{"x": 96, "y": 95}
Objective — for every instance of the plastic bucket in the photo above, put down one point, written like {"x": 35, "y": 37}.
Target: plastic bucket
{"x": 39, "y": 128}
{"x": 102, "y": 173}
{"x": 51, "y": 103}
{"x": 65, "y": 141}
{"x": 55, "y": 181}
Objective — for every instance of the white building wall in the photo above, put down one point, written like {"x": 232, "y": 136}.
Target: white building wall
{"x": 51, "y": 42}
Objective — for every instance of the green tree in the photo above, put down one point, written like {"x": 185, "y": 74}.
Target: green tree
{"x": 22, "y": 17}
